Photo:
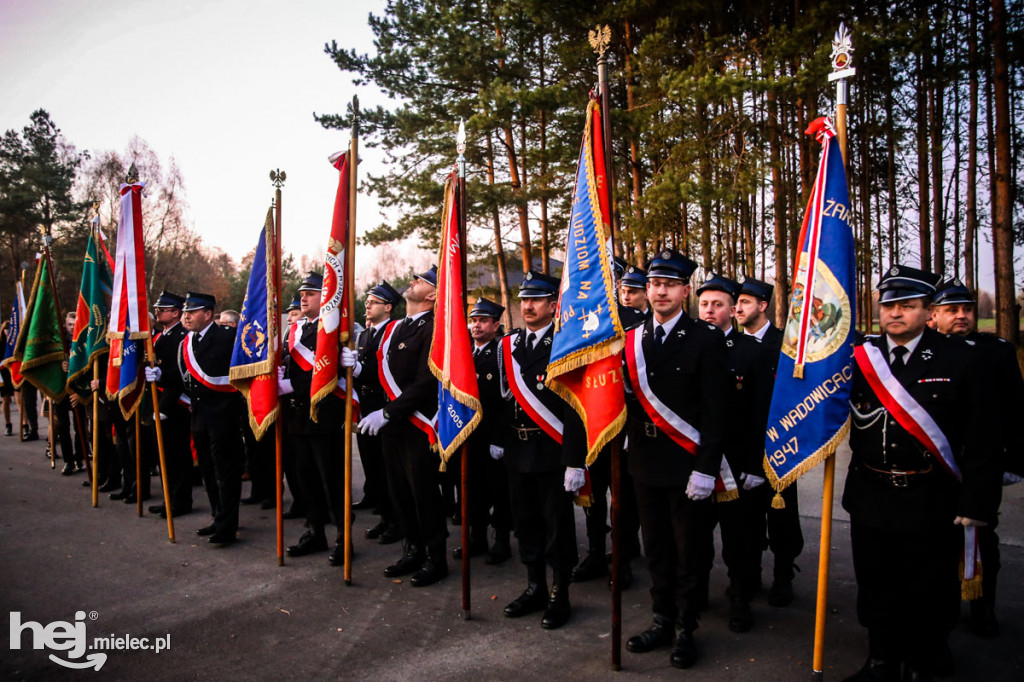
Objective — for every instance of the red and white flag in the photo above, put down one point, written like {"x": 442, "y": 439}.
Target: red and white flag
{"x": 129, "y": 311}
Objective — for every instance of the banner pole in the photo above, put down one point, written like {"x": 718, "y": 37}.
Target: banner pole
{"x": 278, "y": 177}
{"x": 460, "y": 144}
{"x": 841, "y": 51}
{"x": 95, "y": 435}
{"x": 350, "y": 267}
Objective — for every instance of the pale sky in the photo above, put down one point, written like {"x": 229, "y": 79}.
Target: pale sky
{"x": 227, "y": 88}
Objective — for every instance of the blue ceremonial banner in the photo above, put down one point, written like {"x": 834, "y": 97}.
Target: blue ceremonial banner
{"x": 586, "y": 352}
{"x": 13, "y": 329}
{"x": 131, "y": 386}
{"x": 252, "y": 360}
{"x": 810, "y": 412}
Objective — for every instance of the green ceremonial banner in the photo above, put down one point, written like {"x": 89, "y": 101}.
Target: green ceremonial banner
{"x": 40, "y": 347}
{"x": 89, "y": 338}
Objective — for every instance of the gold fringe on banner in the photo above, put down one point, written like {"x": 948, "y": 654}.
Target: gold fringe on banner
{"x": 823, "y": 453}
{"x": 970, "y": 588}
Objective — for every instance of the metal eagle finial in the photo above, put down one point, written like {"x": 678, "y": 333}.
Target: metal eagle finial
{"x": 600, "y": 38}
{"x": 133, "y": 175}
{"x": 278, "y": 177}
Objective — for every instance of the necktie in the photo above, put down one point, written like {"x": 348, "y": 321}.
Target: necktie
{"x": 899, "y": 362}
{"x": 531, "y": 340}
{"x": 659, "y": 336}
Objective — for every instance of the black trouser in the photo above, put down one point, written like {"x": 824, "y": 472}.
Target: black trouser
{"x": 413, "y": 483}
{"x": 178, "y": 457}
{"x": 260, "y": 463}
{"x": 488, "y": 489}
{"x": 672, "y": 534}
{"x": 908, "y": 590}
{"x": 124, "y": 430}
{"x": 375, "y": 484}
{"x": 597, "y": 513}
{"x": 542, "y": 512}
{"x": 743, "y": 529}
{"x": 320, "y": 465}
{"x": 30, "y": 406}
{"x": 222, "y": 461}
{"x": 70, "y": 448}
{"x": 785, "y": 537}
{"x": 109, "y": 464}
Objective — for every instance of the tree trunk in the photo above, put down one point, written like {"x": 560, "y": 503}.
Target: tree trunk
{"x": 935, "y": 115}
{"x": 779, "y": 206}
{"x": 924, "y": 229}
{"x": 1007, "y": 324}
{"x": 499, "y": 249}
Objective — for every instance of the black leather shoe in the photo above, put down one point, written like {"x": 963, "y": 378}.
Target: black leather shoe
{"x": 499, "y": 553}
{"x": 410, "y": 562}
{"x": 533, "y": 598}
{"x": 250, "y": 500}
{"x": 658, "y": 635}
{"x": 684, "y": 653}
{"x": 593, "y": 566}
{"x": 119, "y": 495}
{"x": 376, "y": 531}
{"x": 175, "y": 512}
{"x": 876, "y": 670}
{"x": 131, "y": 499}
{"x": 157, "y": 509}
{"x": 740, "y": 618}
{"x": 390, "y": 536}
{"x": 32, "y": 435}
{"x": 207, "y": 530}
{"x": 110, "y": 486}
{"x": 434, "y": 568}
{"x": 221, "y": 538}
{"x": 365, "y": 503}
{"x": 309, "y": 543}
{"x": 337, "y": 557}
{"x": 10, "y": 430}
{"x": 68, "y": 469}
{"x": 781, "y": 593}
{"x": 557, "y": 613}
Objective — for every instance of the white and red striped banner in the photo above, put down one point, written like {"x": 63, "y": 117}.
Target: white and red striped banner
{"x": 533, "y": 406}
{"x": 129, "y": 310}
{"x": 902, "y": 406}
{"x": 391, "y": 387}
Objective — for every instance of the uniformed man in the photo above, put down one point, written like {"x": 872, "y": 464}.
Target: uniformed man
{"x": 542, "y": 476}
{"x": 921, "y": 472}
{"x": 204, "y": 360}
{"x": 489, "y": 503}
{"x": 314, "y": 443}
{"x": 633, "y": 290}
{"x": 742, "y": 520}
{"x": 173, "y": 412}
{"x": 406, "y": 428}
{"x": 677, "y": 408}
{"x": 954, "y": 313}
{"x": 293, "y": 311}
{"x": 380, "y": 302}
{"x": 785, "y": 537}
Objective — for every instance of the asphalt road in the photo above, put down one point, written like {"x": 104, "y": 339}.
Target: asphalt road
{"x": 232, "y": 613}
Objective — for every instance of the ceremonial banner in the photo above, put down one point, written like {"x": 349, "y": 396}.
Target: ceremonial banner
{"x": 129, "y": 311}
{"x": 451, "y": 353}
{"x": 334, "y": 326}
{"x": 13, "y": 328}
{"x": 40, "y": 347}
{"x": 586, "y": 353}
{"x": 131, "y": 383}
{"x": 89, "y": 338}
{"x": 810, "y": 414}
{"x": 253, "y": 365}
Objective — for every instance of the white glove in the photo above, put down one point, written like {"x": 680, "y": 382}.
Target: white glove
{"x": 284, "y": 386}
{"x": 371, "y": 424}
{"x": 625, "y": 443}
{"x": 574, "y": 479}
{"x": 750, "y": 481}
{"x": 700, "y": 486}
{"x": 163, "y": 417}
{"x": 1010, "y": 479}
{"x": 349, "y": 358}
{"x": 964, "y": 521}
{"x": 153, "y": 374}
{"x": 497, "y": 452}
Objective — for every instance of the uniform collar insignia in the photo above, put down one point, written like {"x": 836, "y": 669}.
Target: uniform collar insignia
{"x": 926, "y": 354}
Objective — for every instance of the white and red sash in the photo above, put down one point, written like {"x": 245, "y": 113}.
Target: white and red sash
{"x": 670, "y": 423}
{"x": 902, "y": 406}
{"x": 219, "y": 384}
{"x": 527, "y": 399}
{"x": 391, "y": 387}
{"x": 303, "y": 356}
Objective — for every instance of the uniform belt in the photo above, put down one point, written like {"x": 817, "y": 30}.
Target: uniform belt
{"x": 898, "y": 478}
{"x": 650, "y": 429}
{"x": 526, "y": 432}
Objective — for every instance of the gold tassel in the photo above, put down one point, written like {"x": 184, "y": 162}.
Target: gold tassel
{"x": 584, "y": 501}
{"x": 727, "y": 495}
{"x": 798, "y": 371}
{"x": 970, "y": 589}
{"x": 778, "y": 502}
